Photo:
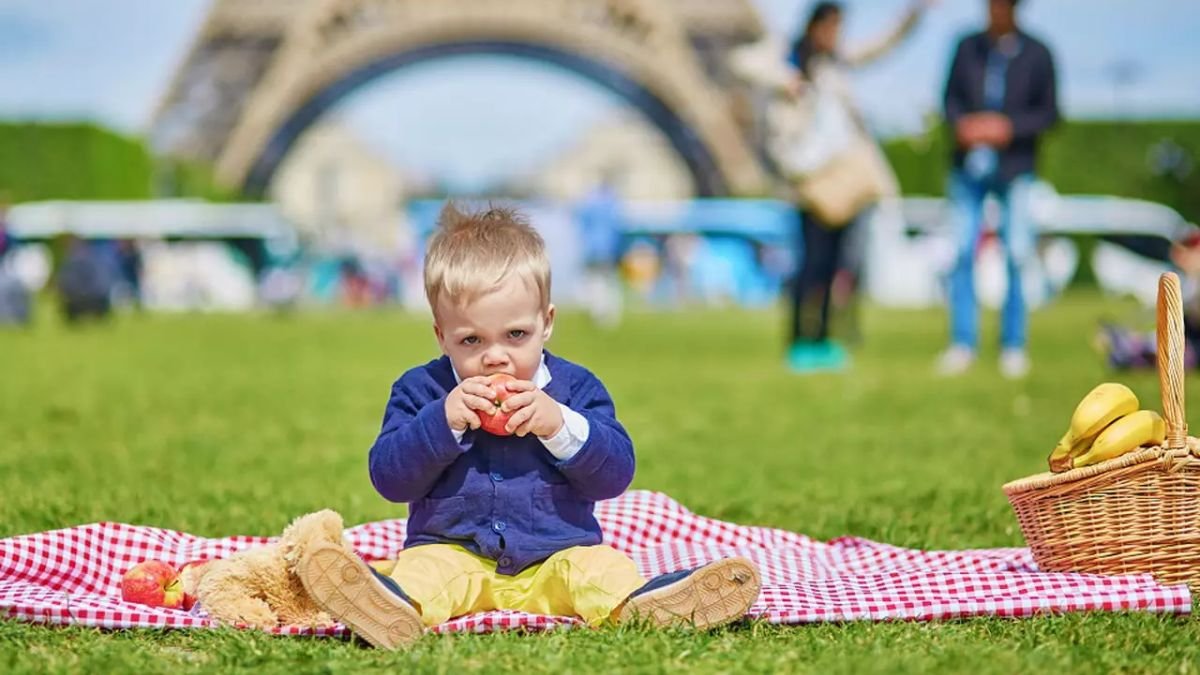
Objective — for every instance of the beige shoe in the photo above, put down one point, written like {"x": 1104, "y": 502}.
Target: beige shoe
{"x": 340, "y": 583}
{"x": 706, "y": 597}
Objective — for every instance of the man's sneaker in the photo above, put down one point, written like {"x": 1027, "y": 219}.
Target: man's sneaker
{"x": 705, "y": 597}
{"x": 1014, "y": 363}
{"x": 351, "y": 591}
{"x": 956, "y": 360}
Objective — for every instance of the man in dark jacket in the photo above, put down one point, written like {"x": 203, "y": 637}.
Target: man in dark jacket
{"x": 1001, "y": 96}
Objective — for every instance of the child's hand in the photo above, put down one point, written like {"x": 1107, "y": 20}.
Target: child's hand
{"x": 533, "y": 411}
{"x": 464, "y": 403}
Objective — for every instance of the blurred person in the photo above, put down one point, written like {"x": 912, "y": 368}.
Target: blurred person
{"x": 280, "y": 288}
{"x": 1001, "y": 96}
{"x": 1129, "y": 349}
{"x": 502, "y": 476}
{"x": 83, "y": 281}
{"x": 821, "y": 143}
{"x": 641, "y": 265}
{"x": 599, "y": 217}
{"x": 8, "y": 242}
{"x": 680, "y": 252}
{"x": 15, "y": 305}
{"x": 129, "y": 270}
{"x": 355, "y": 287}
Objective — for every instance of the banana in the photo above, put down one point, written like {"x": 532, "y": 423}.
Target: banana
{"x": 1101, "y": 407}
{"x": 1068, "y": 448}
{"x": 1144, "y": 427}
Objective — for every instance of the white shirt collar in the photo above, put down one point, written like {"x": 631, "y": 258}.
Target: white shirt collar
{"x": 540, "y": 379}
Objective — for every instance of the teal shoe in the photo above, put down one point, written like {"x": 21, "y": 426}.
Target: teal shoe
{"x": 802, "y": 356}
{"x": 832, "y": 356}
{"x": 817, "y": 357}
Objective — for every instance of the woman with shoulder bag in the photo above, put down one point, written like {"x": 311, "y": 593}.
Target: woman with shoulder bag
{"x": 834, "y": 169}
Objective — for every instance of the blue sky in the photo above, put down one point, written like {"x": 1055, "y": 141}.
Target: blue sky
{"x": 109, "y": 60}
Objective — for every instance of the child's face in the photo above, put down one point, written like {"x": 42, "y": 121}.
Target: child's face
{"x": 500, "y": 332}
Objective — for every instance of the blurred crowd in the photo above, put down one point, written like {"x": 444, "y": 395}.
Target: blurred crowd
{"x": 88, "y": 278}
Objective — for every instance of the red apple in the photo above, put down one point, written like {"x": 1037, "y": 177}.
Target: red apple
{"x": 190, "y": 575}
{"x": 494, "y": 423}
{"x": 153, "y": 583}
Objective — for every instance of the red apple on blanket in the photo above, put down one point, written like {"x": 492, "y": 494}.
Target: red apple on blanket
{"x": 153, "y": 583}
{"x": 190, "y": 575}
{"x": 494, "y": 423}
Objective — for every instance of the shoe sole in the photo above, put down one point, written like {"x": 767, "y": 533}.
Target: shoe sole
{"x": 714, "y": 595}
{"x": 342, "y": 585}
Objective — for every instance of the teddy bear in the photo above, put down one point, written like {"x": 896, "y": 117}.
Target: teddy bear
{"x": 258, "y": 587}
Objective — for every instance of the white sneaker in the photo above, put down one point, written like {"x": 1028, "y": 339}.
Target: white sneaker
{"x": 1014, "y": 363}
{"x": 956, "y": 360}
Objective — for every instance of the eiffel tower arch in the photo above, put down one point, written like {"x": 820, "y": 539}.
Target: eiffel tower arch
{"x": 259, "y": 72}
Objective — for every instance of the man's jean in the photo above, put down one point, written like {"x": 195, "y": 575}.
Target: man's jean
{"x": 965, "y": 197}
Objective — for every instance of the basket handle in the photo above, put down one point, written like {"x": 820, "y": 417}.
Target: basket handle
{"x": 1170, "y": 359}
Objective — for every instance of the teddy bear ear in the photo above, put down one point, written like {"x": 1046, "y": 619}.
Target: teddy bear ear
{"x": 330, "y": 519}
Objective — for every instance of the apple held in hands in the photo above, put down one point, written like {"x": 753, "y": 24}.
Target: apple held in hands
{"x": 494, "y": 423}
{"x": 153, "y": 583}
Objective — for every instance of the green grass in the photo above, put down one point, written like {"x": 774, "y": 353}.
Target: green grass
{"x": 229, "y": 424}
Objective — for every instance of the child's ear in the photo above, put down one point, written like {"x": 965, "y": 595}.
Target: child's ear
{"x": 437, "y": 331}
{"x": 549, "y": 327}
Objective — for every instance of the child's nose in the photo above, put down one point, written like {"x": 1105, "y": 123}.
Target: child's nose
{"x": 495, "y": 357}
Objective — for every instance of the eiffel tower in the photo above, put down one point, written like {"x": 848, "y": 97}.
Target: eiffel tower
{"x": 259, "y": 72}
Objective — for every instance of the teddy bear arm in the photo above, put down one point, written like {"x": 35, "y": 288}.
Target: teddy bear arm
{"x": 232, "y": 608}
{"x": 229, "y": 596}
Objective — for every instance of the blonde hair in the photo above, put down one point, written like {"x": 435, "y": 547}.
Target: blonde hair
{"x": 472, "y": 253}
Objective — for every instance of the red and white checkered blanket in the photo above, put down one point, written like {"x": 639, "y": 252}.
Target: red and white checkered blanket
{"x": 72, "y": 576}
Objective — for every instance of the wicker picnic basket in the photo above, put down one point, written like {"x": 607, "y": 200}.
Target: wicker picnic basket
{"x": 1138, "y": 513}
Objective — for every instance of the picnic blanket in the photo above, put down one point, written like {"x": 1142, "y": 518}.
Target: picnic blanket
{"x": 72, "y": 576}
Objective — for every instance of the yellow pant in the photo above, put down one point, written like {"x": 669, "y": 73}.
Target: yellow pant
{"x": 447, "y": 581}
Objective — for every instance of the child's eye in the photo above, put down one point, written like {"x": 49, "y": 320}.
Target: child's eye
{"x": 516, "y": 334}
{"x": 470, "y": 340}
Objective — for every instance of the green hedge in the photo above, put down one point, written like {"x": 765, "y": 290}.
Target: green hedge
{"x": 84, "y": 161}
{"x": 71, "y": 161}
{"x": 1079, "y": 158}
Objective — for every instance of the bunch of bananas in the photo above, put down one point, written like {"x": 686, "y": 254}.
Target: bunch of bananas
{"x": 1106, "y": 424}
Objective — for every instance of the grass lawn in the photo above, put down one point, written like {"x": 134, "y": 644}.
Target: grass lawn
{"x": 230, "y": 424}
